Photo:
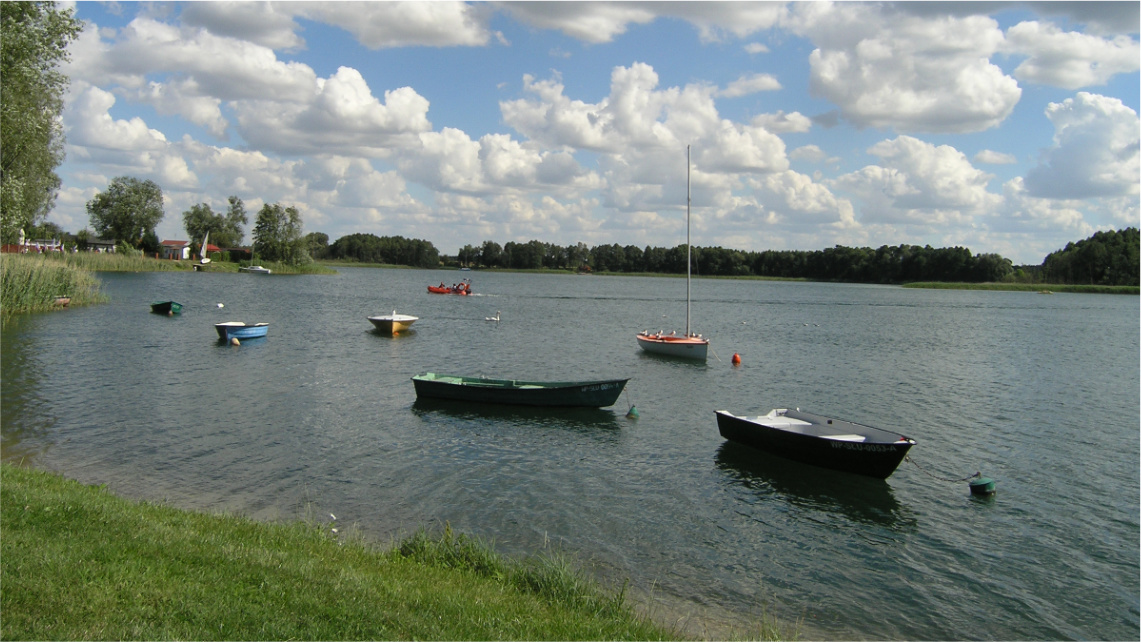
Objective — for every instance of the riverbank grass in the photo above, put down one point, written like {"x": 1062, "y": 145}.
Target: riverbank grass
{"x": 35, "y": 283}
{"x": 79, "y": 563}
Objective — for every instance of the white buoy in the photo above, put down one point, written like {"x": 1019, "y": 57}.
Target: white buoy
{"x": 234, "y": 341}
{"x": 220, "y": 305}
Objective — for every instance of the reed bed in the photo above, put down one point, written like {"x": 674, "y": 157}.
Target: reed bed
{"x": 36, "y": 283}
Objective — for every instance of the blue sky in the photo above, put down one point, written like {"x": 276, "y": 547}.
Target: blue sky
{"x": 1003, "y": 127}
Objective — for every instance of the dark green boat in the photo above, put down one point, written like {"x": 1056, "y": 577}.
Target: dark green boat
{"x": 591, "y": 394}
{"x": 166, "y": 307}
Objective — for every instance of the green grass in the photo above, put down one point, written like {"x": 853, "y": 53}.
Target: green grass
{"x": 31, "y": 283}
{"x": 1044, "y": 288}
{"x": 79, "y": 563}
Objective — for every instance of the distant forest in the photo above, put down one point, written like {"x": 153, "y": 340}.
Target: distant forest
{"x": 1106, "y": 258}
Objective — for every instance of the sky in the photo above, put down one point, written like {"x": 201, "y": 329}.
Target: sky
{"x": 1003, "y": 127}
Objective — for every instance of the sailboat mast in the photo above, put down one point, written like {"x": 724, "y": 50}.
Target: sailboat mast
{"x": 687, "y": 246}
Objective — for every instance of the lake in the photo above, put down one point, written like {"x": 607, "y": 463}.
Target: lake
{"x": 1039, "y": 393}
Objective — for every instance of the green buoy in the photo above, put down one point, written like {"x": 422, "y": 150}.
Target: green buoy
{"x": 633, "y": 414}
{"x": 982, "y": 486}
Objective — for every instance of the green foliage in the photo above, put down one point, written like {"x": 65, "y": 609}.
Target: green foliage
{"x": 1106, "y": 258}
{"x": 128, "y": 212}
{"x": 393, "y": 250}
{"x": 225, "y": 230}
{"x": 317, "y": 243}
{"x": 33, "y": 42}
{"x": 277, "y": 235}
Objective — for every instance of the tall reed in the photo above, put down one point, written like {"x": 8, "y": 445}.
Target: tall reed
{"x": 31, "y": 283}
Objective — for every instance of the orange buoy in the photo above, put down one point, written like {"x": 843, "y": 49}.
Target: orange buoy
{"x": 736, "y": 359}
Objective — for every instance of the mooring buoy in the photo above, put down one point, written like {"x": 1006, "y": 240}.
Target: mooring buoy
{"x": 982, "y": 486}
{"x": 736, "y": 360}
{"x": 633, "y": 413}
{"x": 234, "y": 341}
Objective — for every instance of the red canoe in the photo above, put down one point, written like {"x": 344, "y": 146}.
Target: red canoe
{"x": 435, "y": 289}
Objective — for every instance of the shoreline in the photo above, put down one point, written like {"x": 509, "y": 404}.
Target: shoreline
{"x": 61, "y": 517}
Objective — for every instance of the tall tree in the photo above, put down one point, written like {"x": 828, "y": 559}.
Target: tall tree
{"x": 32, "y": 45}
{"x": 235, "y": 218}
{"x": 225, "y": 230}
{"x": 128, "y": 211}
{"x": 277, "y": 235}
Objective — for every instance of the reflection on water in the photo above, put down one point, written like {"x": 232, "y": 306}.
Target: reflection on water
{"x": 577, "y": 419}
{"x": 855, "y": 497}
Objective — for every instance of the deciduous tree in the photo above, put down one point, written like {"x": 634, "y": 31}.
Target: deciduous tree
{"x": 277, "y": 235}
{"x": 128, "y": 211}
{"x": 33, "y": 42}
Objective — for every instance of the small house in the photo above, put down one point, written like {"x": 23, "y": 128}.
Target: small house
{"x": 176, "y": 250}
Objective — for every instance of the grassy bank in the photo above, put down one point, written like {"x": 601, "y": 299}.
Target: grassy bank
{"x": 33, "y": 282}
{"x": 1045, "y": 288}
{"x": 79, "y": 563}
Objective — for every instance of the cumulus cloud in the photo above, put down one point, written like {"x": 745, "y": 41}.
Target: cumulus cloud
{"x": 1070, "y": 60}
{"x": 917, "y": 182}
{"x": 887, "y": 69}
{"x": 262, "y": 23}
{"x": 340, "y": 116}
{"x": 379, "y": 25}
{"x": 1095, "y": 151}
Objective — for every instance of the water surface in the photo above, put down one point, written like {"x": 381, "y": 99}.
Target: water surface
{"x": 1040, "y": 393}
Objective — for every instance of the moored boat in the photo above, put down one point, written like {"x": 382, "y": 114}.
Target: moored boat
{"x": 818, "y": 440}
{"x": 693, "y": 346}
{"x": 166, "y": 307}
{"x": 393, "y": 323}
{"x": 689, "y": 345}
{"x": 239, "y": 330}
{"x": 255, "y": 269}
{"x": 591, "y": 394}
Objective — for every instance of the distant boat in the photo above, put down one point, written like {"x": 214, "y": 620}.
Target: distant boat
{"x": 464, "y": 288}
{"x": 238, "y": 330}
{"x": 393, "y": 323}
{"x": 255, "y": 269}
{"x": 166, "y": 307}
{"x": 591, "y": 394}
{"x": 688, "y": 345}
{"x": 202, "y": 250}
{"x": 818, "y": 440}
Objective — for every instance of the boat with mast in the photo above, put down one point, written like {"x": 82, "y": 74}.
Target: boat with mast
{"x": 689, "y": 345}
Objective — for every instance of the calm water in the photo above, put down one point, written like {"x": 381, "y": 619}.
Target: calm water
{"x": 1040, "y": 393}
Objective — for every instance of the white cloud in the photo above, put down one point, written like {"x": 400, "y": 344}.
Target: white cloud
{"x": 1095, "y": 152}
{"x": 379, "y": 25}
{"x": 812, "y": 154}
{"x": 887, "y": 69}
{"x": 756, "y": 48}
{"x": 90, "y": 124}
{"x": 262, "y": 23}
{"x": 1070, "y": 60}
{"x": 919, "y": 183}
{"x": 750, "y": 84}
{"x": 594, "y": 22}
{"x": 991, "y": 157}
{"x": 782, "y": 123}
{"x": 337, "y": 115}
